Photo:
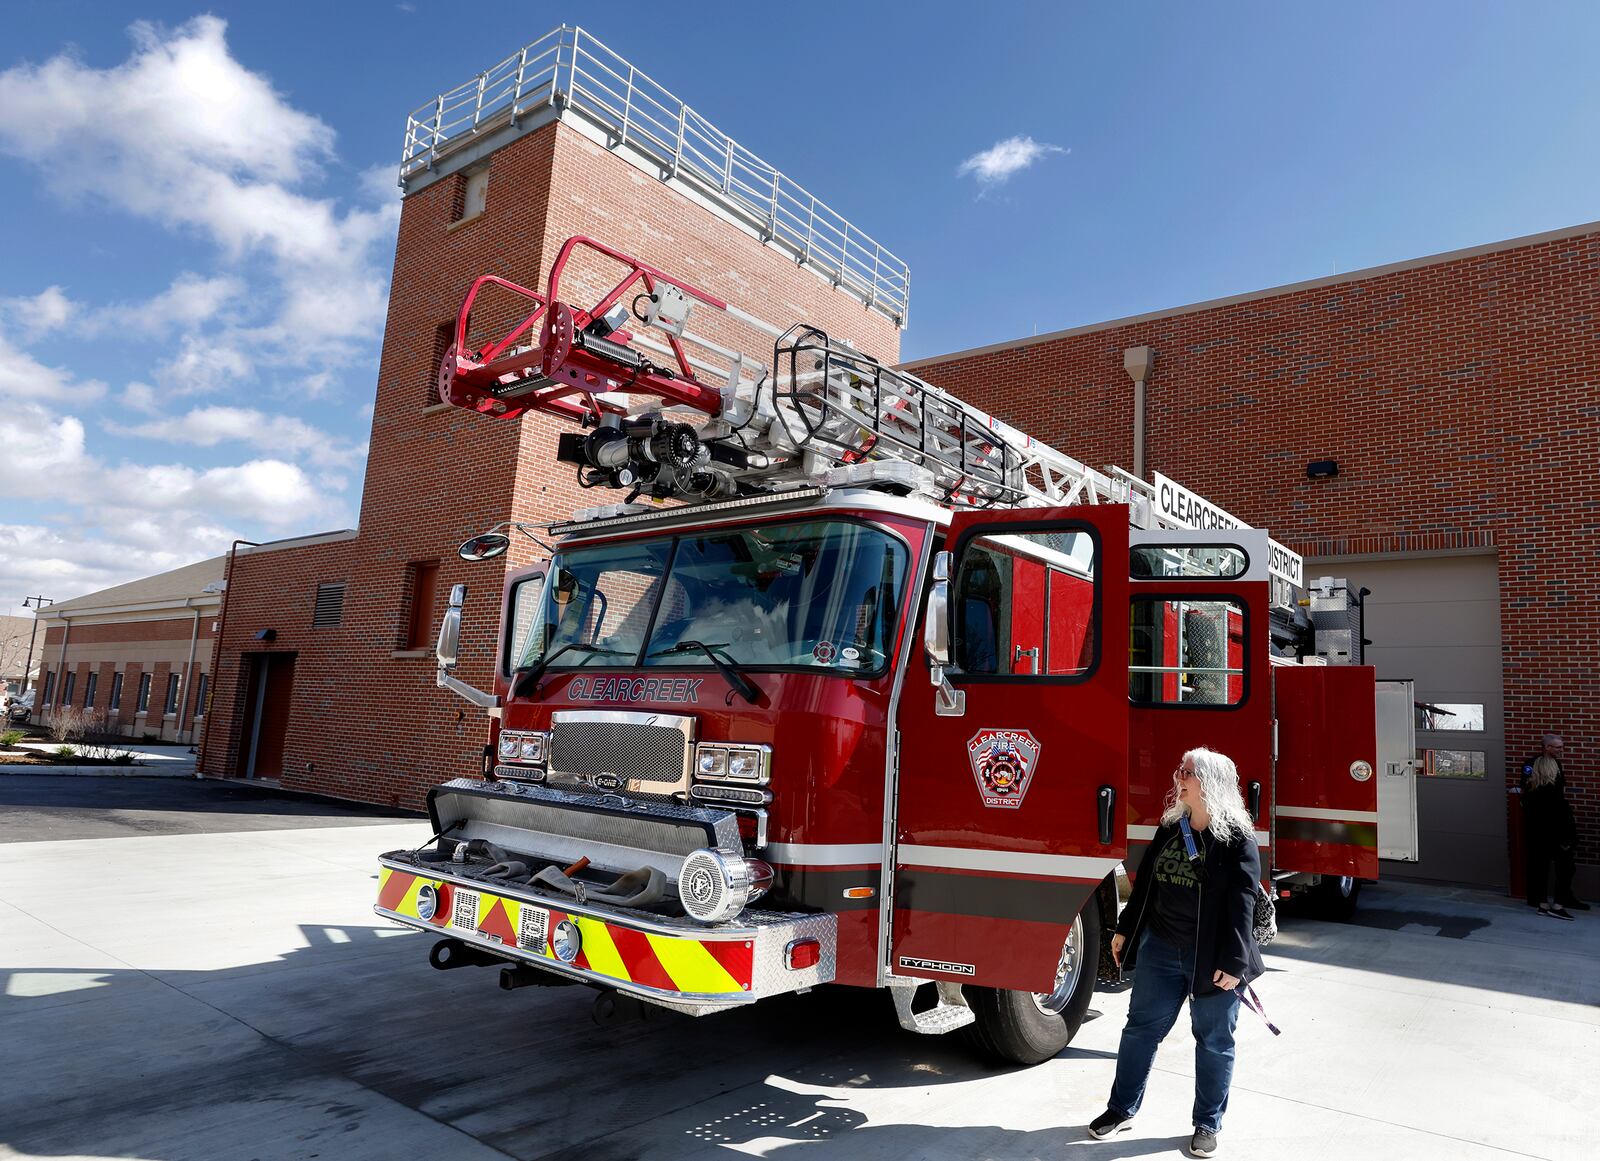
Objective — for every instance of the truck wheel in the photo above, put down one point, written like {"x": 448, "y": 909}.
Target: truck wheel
{"x": 1337, "y": 895}
{"x": 1031, "y": 1027}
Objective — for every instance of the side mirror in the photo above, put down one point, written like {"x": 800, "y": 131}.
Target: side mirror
{"x": 448, "y": 647}
{"x": 449, "y": 638}
{"x": 484, "y": 546}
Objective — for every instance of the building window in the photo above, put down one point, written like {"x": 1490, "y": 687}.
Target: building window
{"x": 470, "y": 195}
{"x": 443, "y": 335}
{"x": 49, "y": 688}
{"x": 89, "y": 685}
{"x": 144, "y": 692}
{"x": 116, "y": 690}
{"x": 67, "y": 686}
{"x": 200, "y": 696}
{"x": 422, "y": 589}
{"x": 329, "y": 607}
{"x": 171, "y": 706}
{"x": 1453, "y": 763}
{"x": 1458, "y": 716}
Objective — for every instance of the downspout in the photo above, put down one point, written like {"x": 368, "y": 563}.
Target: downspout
{"x": 61, "y": 665}
{"x": 1136, "y": 361}
{"x": 188, "y": 671}
{"x": 222, "y": 631}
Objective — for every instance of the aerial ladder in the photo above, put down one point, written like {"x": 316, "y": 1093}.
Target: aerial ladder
{"x": 668, "y": 412}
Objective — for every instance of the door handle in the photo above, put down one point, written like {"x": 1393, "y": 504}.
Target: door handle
{"x": 1106, "y": 804}
{"x": 1255, "y": 802}
{"x": 1018, "y": 653}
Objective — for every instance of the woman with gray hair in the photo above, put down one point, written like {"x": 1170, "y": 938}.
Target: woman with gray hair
{"x": 1189, "y": 924}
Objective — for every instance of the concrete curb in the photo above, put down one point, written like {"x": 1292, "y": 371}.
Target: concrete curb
{"x": 99, "y": 771}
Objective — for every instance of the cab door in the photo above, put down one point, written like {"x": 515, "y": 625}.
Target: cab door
{"x": 1010, "y": 804}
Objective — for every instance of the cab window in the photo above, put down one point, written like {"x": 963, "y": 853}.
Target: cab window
{"x": 1022, "y": 604}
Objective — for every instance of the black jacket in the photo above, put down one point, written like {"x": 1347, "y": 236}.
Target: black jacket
{"x": 1547, "y": 816}
{"x": 1225, "y": 931}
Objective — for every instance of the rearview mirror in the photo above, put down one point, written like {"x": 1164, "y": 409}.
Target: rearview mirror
{"x": 484, "y": 546}
{"x": 449, "y": 638}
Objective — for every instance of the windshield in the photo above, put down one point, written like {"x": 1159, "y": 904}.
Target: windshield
{"x": 821, "y": 594}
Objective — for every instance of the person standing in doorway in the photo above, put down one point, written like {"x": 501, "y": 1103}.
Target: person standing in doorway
{"x": 1189, "y": 927}
{"x": 1549, "y": 833}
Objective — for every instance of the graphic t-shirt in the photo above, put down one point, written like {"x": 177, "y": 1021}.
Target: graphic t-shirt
{"x": 1177, "y": 890}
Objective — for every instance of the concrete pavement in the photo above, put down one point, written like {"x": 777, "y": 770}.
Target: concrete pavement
{"x": 227, "y": 993}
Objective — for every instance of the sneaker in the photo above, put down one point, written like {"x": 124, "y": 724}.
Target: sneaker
{"x": 1107, "y": 1124}
{"x": 1556, "y": 913}
{"x": 1203, "y": 1143}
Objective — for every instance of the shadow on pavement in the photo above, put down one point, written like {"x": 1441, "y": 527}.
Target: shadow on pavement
{"x": 352, "y": 1046}
{"x": 36, "y": 808}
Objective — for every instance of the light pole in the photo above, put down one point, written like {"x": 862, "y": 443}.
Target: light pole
{"x": 34, "y": 603}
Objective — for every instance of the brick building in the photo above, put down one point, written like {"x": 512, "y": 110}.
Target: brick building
{"x": 1459, "y": 397}
{"x": 138, "y": 655}
{"x": 325, "y": 667}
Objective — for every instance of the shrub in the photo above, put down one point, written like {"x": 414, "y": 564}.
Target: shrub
{"x": 67, "y": 723}
{"x": 11, "y": 737}
{"x": 122, "y": 758}
{"x": 66, "y": 751}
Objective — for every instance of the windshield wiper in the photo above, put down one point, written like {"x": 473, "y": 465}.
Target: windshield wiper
{"x": 528, "y": 675}
{"x": 739, "y": 681}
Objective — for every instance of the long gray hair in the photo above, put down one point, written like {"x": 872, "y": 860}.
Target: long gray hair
{"x": 1544, "y": 771}
{"x": 1219, "y": 787}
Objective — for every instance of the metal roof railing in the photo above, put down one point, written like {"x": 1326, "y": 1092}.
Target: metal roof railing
{"x": 569, "y": 68}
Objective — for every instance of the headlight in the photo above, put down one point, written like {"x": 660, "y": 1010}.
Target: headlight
{"x": 736, "y": 763}
{"x": 715, "y": 885}
{"x": 508, "y": 745}
{"x": 533, "y": 748}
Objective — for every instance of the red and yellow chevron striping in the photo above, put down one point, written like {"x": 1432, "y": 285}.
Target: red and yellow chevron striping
{"x": 617, "y": 951}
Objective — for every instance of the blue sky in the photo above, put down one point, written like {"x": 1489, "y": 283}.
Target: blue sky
{"x": 197, "y": 204}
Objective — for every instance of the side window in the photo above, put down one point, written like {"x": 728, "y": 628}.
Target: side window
{"x": 1186, "y": 652}
{"x": 1022, "y": 604}
{"x": 525, "y": 597}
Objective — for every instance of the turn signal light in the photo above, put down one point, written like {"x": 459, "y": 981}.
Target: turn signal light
{"x": 802, "y": 954}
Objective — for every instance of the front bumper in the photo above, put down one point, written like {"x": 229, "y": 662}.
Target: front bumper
{"x": 674, "y": 963}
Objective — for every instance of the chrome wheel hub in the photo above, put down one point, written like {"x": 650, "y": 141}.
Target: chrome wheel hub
{"x": 1054, "y": 1002}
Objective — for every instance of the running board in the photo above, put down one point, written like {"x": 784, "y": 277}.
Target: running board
{"x": 950, "y": 1013}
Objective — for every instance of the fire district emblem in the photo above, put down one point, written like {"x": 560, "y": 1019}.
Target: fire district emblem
{"x": 1003, "y": 762}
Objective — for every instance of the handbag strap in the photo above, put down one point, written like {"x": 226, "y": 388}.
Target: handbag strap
{"x": 1248, "y": 997}
{"x": 1188, "y": 837}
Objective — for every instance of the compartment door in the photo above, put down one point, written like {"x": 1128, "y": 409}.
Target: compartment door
{"x": 1397, "y": 770}
{"x": 1325, "y": 817}
{"x": 1012, "y": 811}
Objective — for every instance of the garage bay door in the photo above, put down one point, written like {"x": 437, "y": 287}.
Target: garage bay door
{"x": 1436, "y": 620}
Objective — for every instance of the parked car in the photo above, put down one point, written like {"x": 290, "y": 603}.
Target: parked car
{"x": 19, "y": 708}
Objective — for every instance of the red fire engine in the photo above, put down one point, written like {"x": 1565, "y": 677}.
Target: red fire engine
{"x": 887, "y": 697}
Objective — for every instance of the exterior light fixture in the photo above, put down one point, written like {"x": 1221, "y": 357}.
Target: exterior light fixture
{"x": 1322, "y": 469}
{"x": 266, "y": 634}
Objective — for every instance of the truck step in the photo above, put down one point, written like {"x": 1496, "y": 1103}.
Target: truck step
{"x": 950, "y": 1013}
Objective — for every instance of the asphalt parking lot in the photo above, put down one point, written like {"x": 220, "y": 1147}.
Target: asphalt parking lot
{"x": 193, "y": 970}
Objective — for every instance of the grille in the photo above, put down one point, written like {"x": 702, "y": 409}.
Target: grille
{"x": 630, "y": 750}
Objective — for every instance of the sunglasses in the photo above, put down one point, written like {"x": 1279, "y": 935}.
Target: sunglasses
{"x": 1183, "y": 775}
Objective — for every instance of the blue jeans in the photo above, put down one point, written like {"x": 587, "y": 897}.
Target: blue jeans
{"x": 1160, "y": 985}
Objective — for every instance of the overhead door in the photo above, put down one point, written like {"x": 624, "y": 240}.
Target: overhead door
{"x": 1436, "y": 620}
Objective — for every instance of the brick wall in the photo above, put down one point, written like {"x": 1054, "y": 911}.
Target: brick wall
{"x": 1461, "y": 399}
{"x": 366, "y": 720}
{"x": 131, "y": 647}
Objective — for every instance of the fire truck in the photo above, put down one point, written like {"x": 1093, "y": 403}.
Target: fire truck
{"x": 857, "y": 684}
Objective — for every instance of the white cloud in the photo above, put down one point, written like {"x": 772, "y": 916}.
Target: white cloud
{"x": 47, "y": 311}
{"x": 185, "y": 135}
{"x": 24, "y": 377}
{"x": 1003, "y": 159}
{"x": 283, "y": 434}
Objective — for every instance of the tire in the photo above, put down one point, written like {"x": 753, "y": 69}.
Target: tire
{"x": 1016, "y": 1027}
{"x": 1337, "y": 897}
